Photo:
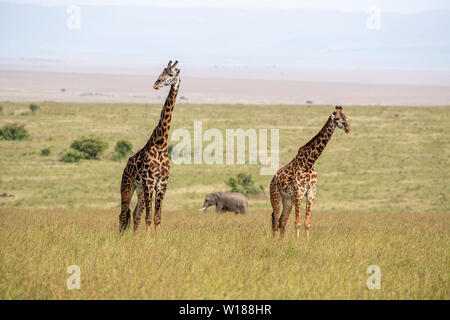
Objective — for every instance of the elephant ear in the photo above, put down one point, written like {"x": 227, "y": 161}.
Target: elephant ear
{"x": 215, "y": 197}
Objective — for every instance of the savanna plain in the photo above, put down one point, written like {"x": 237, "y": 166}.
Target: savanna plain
{"x": 383, "y": 199}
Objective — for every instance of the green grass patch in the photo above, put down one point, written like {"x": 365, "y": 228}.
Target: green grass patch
{"x": 395, "y": 158}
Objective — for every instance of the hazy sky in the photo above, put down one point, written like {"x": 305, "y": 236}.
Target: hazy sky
{"x": 403, "y": 6}
{"x": 233, "y": 33}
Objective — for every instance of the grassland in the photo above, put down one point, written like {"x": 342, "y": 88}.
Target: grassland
{"x": 382, "y": 200}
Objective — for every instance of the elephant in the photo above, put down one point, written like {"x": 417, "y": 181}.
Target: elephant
{"x": 226, "y": 201}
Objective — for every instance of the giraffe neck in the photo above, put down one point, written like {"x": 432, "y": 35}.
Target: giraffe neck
{"x": 310, "y": 152}
{"x": 160, "y": 134}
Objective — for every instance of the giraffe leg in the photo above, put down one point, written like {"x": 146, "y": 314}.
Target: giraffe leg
{"x": 298, "y": 207}
{"x": 275, "y": 201}
{"x": 311, "y": 196}
{"x": 126, "y": 192}
{"x": 287, "y": 207}
{"x": 137, "y": 213}
{"x": 148, "y": 197}
{"x": 148, "y": 213}
{"x": 159, "y": 197}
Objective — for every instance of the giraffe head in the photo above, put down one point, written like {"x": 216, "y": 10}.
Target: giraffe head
{"x": 340, "y": 120}
{"x": 168, "y": 77}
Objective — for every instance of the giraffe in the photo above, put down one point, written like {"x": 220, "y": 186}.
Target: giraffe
{"x": 148, "y": 170}
{"x": 299, "y": 178}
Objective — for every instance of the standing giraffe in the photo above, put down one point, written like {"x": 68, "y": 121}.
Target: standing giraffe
{"x": 299, "y": 178}
{"x": 148, "y": 169}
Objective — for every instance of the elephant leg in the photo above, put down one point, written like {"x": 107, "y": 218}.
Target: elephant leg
{"x": 219, "y": 207}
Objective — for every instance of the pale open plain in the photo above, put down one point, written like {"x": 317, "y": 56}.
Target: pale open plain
{"x": 110, "y": 87}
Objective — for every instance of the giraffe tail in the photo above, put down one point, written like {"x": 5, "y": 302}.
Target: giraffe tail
{"x": 273, "y": 220}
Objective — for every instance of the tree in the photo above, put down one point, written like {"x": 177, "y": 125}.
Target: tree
{"x": 14, "y": 132}
{"x": 123, "y": 148}
{"x": 243, "y": 183}
{"x": 90, "y": 147}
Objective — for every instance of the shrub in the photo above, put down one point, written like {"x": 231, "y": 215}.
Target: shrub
{"x": 90, "y": 147}
{"x": 244, "y": 184}
{"x": 45, "y": 152}
{"x": 123, "y": 148}
{"x": 34, "y": 107}
{"x": 1, "y": 109}
{"x": 14, "y": 132}
{"x": 72, "y": 156}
